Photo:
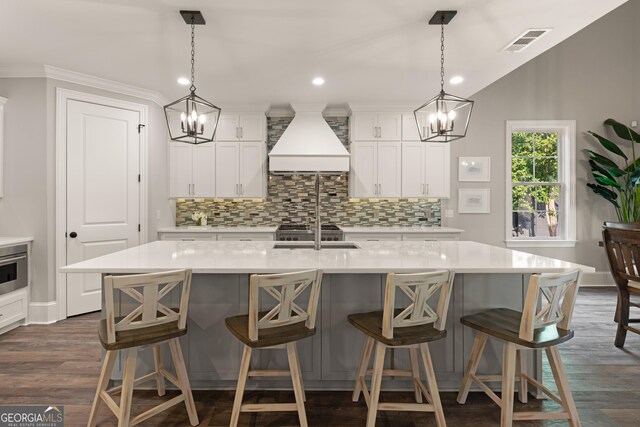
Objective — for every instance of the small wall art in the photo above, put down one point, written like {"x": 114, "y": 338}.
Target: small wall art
{"x": 474, "y": 200}
{"x": 474, "y": 169}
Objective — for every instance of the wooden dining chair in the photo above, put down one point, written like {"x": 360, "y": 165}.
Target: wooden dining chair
{"x": 622, "y": 243}
{"x": 278, "y": 327}
{"x": 412, "y": 327}
{"x": 151, "y": 323}
{"x": 538, "y": 326}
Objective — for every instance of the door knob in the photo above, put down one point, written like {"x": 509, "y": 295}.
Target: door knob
{"x": 73, "y": 234}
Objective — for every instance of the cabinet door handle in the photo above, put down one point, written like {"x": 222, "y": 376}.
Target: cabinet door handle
{"x": 193, "y": 189}
{"x": 426, "y": 189}
{"x": 423, "y": 189}
{"x": 241, "y": 132}
{"x": 237, "y": 193}
{"x": 379, "y": 189}
{"x": 241, "y": 192}
{"x": 237, "y": 132}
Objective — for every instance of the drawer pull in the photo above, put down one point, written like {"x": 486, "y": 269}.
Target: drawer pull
{"x": 10, "y": 260}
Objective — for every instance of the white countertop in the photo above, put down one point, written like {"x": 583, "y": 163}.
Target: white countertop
{"x": 399, "y": 230}
{"x": 12, "y": 241}
{"x": 215, "y": 229}
{"x": 372, "y": 257}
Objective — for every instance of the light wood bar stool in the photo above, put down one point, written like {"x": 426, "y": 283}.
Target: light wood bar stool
{"x": 411, "y": 327}
{"x": 277, "y": 328}
{"x": 149, "y": 324}
{"x": 532, "y": 328}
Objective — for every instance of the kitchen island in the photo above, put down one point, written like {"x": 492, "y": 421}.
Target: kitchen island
{"x": 486, "y": 277}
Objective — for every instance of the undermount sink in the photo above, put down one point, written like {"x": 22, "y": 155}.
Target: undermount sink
{"x": 310, "y": 245}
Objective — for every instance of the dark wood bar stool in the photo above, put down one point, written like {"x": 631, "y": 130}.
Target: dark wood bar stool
{"x": 532, "y": 328}
{"x": 412, "y": 327}
{"x": 149, "y": 324}
{"x": 622, "y": 243}
{"x": 276, "y": 328}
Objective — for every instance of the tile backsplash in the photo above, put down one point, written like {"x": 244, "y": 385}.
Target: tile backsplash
{"x": 291, "y": 198}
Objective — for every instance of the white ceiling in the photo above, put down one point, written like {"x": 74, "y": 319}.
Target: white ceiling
{"x": 268, "y": 51}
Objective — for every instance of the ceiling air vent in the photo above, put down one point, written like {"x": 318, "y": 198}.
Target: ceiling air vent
{"x": 526, "y": 39}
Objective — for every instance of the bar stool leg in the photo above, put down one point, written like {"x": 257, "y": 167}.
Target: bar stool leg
{"x": 103, "y": 382}
{"x": 128, "y": 378}
{"x": 297, "y": 383}
{"x": 433, "y": 385}
{"x": 242, "y": 381}
{"x": 304, "y": 394}
{"x": 508, "y": 377}
{"x": 183, "y": 379}
{"x": 415, "y": 373}
{"x": 376, "y": 382}
{"x": 563, "y": 386}
{"x": 474, "y": 359}
{"x": 157, "y": 362}
{"x": 521, "y": 369}
{"x": 362, "y": 368}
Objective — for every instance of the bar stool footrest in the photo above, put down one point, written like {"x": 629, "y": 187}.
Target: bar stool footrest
{"x": 268, "y": 407}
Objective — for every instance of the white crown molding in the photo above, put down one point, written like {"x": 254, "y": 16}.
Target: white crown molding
{"x": 42, "y": 313}
{"x": 330, "y": 111}
{"x": 3, "y": 101}
{"x": 22, "y": 71}
{"x": 280, "y": 111}
{"x": 361, "y": 107}
{"x": 337, "y": 111}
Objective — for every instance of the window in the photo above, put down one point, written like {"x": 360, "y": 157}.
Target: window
{"x": 540, "y": 183}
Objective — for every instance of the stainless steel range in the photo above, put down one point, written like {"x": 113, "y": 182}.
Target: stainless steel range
{"x": 293, "y": 232}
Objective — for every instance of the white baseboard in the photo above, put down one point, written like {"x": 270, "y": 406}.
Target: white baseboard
{"x": 599, "y": 278}
{"x": 42, "y": 313}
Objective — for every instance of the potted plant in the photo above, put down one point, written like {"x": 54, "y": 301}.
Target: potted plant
{"x": 617, "y": 180}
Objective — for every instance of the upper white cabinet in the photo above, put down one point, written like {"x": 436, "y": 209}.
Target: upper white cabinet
{"x": 191, "y": 170}
{"x": 376, "y": 127}
{"x": 425, "y": 169}
{"x": 410, "y": 127}
{"x": 2, "y": 102}
{"x": 376, "y": 169}
{"x": 241, "y": 127}
{"x": 240, "y": 169}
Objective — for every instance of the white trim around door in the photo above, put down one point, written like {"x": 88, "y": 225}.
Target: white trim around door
{"x": 62, "y": 97}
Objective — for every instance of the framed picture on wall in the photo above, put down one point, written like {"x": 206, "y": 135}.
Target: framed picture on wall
{"x": 474, "y": 169}
{"x": 474, "y": 200}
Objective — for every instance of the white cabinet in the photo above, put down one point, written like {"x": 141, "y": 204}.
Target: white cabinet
{"x": 376, "y": 127}
{"x": 425, "y": 169}
{"x": 241, "y": 127}
{"x": 198, "y": 235}
{"x": 428, "y": 237}
{"x": 2, "y": 102}
{"x": 372, "y": 237}
{"x": 375, "y": 169}
{"x": 410, "y": 127}
{"x": 191, "y": 170}
{"x": 246, "y": 237}
{"x": 240, "y": 169}
{"x": 186, "y": 236}
{"x": 13, "y": 309}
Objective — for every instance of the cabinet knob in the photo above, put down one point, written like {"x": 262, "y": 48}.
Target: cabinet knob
{"x": 73, "y": 234}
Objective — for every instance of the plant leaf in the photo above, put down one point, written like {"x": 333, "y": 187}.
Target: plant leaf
{"x": 623, "y": 131}
{"x": 611, "y": 146}
{"x": 605, "y": 193}
{"x": 605, "y": 162}
{"x": 597, "y": 168}
{"x": 600, "y": 179}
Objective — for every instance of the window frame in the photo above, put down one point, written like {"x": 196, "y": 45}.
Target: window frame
{"x": 566, "y": 130}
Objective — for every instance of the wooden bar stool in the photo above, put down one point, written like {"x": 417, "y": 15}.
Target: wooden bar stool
{"x": 411, "y": 327}
{"x": 532, "y": 328}
{"x": 150, "y": 323}
{"x": 622, "y": 242}
{"x": 277, "y": 328}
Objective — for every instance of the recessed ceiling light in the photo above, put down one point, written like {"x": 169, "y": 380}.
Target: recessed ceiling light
{"x": 184, "y": 81}
{"x": 456, "y": 80}
{"x": 318, "y": 81}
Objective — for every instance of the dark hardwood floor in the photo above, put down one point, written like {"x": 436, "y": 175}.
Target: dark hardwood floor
{"x": 60, "y": 364}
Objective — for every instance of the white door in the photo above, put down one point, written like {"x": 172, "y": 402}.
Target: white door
{"x": 389, "y": 169}
{"x": 363, "y": 176}
{"x": 180, "y": 169}
{"x": 390, "y": 126}
{"x": 228, "y": 127}
{"x": 252, "y": 161}
{"x": 438, "y": 169}
{"x": 203, "y": 170}
{"x": 103, "y": 194}
{"x": 227, "y": 164}
{"x": 364, "y": 127}
{"x": 251, "y": 125}
{"x": 413, "y": 163}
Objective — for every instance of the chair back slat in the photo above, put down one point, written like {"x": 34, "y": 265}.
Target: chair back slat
{"x": 148, "y": 290}
{"x": 556, "y": 293}
{"x": 622, "y": 243}
{"x": 285, "y": 289}
{"x": 419, "y": 288}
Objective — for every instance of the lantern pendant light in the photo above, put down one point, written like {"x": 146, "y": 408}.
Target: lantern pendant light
{"x": 192, "y": 119}
{"x": 445, "y": 117}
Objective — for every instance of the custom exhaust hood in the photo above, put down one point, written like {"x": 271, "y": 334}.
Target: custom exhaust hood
{"x": 308, "y": 145}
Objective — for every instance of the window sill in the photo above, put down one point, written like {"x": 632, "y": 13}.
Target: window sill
{"x": 540, "y": 243}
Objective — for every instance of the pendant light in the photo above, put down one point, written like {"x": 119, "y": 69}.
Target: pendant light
{"x": 192, "y": 119}
{"x": 445, "y": 117}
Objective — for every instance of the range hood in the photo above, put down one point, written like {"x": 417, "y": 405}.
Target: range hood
{"x": 308, "y": 145}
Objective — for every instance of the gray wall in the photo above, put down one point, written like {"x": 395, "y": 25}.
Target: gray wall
{"x": 588, "y": 78}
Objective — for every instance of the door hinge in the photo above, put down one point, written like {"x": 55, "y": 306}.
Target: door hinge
{"x": 140, "y": 126}
{"x": 138, "y": 228}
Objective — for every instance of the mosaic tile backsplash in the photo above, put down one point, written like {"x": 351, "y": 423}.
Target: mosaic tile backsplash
{"x": 291, "y": 199}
